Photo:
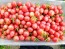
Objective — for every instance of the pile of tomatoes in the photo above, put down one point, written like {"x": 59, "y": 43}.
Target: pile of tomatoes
{"x": 31, "y": 22}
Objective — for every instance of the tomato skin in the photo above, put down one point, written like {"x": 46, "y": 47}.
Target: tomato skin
{"x": 26, "y": 33}
{"x": 26, "y": 18}
{"x": 32, "y": 9}
{"x": 51, "y": 36}
{"x": 1, "y": 21}
{"x": 13, "y": 11}
{"x": 12, "y": 33}
{"x": 47, "y": 28}
{"x": 55, "y": 39}
{"x": 40, "y": 38}
{"x": 9, "y": 5}
{"x": 51, "y": 31}
{"x": 21, "y": 31}
{"x": 34, "y": 33}
{"x": 27, "y": 38}
{"x": 24, "y": 8}
{"x": 57, "y": 34}
{"x": 7, "y": 21}
{"x": 46, "y": 11}
{"x": 11, "y": 27}
{"x": 33, "y": 38}
{"x": 17, "y": 21}
{"x": 21, "y": 37}
{"x": 34, "y": 26}
{"x": 40, "y": 32}
{"x": 51, "y": 13}
{"x": 20, "y": 17}
{"x": 30, "y": 29}
{"x": 5, "y": 27}
{"x": 6, "y": 14}
{"x": 27, "y": 14}
{"x": 19, "y": 4}
{"x": 62, "y": 37}
{"x": 8, "y": 37}
{"x": 23, "y": 22}
{"x": 28, "y": 24}
{"x": 28, "y": 4}
{"x": 14, "y": 4}
{"x": 45, "y": 18}
{"x": 43, "y": 6}
{"x": 37, "y": 13}
{"x": 16, "y": 38}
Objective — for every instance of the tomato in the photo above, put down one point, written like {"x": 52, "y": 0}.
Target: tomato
{"x": 56, "y": 34}
{"x": 16, "y": 38}
{"x": 12, "y": 33}
{"x": 32, "y": 9}
{"x": 46, "y": 11}
{"x": 27, "y": 38}
{"x": 51, "y": 13}
{"x": 55, "y": 39}
{"x": 27, "y": 14}
{"x": 20, "y": 17}
{"x": 5, "y": 27}
{"x": 11, "y": 27}
{"x": 62, "y": 37}
{"x": 51, "y": 31}
{"x": 45, "y": 18}
{"x": 34, "y": 33}
{"x": 28, "y": 24}
{"x": 41, "y": 38}
{"x": 33, "y": 38}
{"x": 26, "y": 18}
{"x": 43, "y": 6}
{"x": 30, "y": 29}
{"x": 40, "y": 31}
{"x": 23, "y": 22}
{"x": 41, "y": 10}
{"x": 47, "y": 28}
{"x": 8, "y": 37}
{"x": 9, "y": 5}
{"x": 28, "y": 4}
{"x": 26, "y": 33}
{"x": 14, "y": 4}
{"x": 1, "y": 21}
{"x": 6, "y": 14}
{"x": 12, "y": 11}
{"x": 34, "y": 26}
{"x": 17, "y": 21}
{"x": 7, "y": 21}
{"x": 42, "y": 26}
{"x": 24, "y": 8}
{"x": 21, "y": 31}
{"x": 20, "y": 12}
{"x": 19, "y": 4}
{"x": 21, "y": 37}
{"x": 37, "y": 13}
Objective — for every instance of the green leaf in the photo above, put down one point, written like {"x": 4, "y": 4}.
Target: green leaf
{"x": 13, "y": 20}
{"x": 34, "y": 18}
{"x": 36, "y": 39}
{"x": 17, "y": 29}
{"x": 64, "y": 31}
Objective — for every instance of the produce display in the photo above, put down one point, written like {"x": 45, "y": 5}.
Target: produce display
{"x": 31, "y": 22}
